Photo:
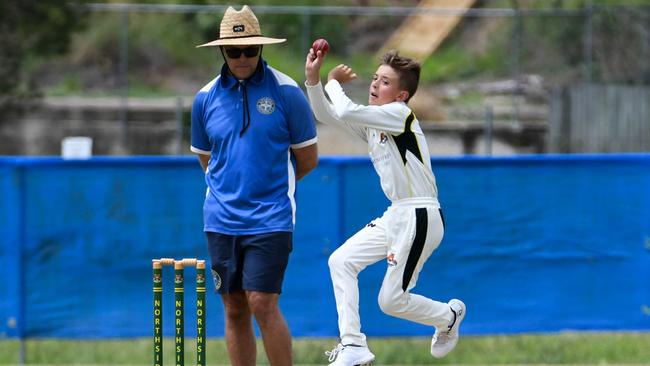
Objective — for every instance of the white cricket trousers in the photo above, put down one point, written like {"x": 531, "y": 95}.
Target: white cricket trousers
{"x": 405, "y": 236}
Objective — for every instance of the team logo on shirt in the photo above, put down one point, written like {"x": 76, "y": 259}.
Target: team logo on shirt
{"x": 383, "y": 138}
{"x": 391, "y": 259}
{"x": 265, "y": 105}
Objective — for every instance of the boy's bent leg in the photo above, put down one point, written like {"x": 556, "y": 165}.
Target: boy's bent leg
{"x": 422, "y": 231}
{"x": 274, "y": 329}
{"x": 364, "y": 248}
{"x": 416, "y": 308}
{"x": 240, "y": 339}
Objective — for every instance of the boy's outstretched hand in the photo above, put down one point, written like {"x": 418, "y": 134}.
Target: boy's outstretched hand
{"x": 313, "y": 64}
{"x": 341, "y": 73}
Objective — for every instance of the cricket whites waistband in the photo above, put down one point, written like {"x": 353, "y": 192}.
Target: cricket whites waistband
{"x": 417, "y": 201}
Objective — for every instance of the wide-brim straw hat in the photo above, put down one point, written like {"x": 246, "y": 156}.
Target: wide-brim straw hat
{"x": 240, "y": 28}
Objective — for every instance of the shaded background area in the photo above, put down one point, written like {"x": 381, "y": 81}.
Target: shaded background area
{"x": 533, "y": 244}
{"x": 510, "y": 77}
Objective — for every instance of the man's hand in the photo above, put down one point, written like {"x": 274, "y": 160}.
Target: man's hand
{"x": 342, "y": 74}
{"x": 313, "y": 64}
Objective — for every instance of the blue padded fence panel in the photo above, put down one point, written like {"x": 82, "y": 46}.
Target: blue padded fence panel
{"x": 93, "y": 228}
{"x": 532, "y": 244}
{"x": 10, "y": 251}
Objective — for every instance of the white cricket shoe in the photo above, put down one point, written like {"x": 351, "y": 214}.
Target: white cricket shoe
{"x": 443, "y": 342}
{"x": 350, "y": 355}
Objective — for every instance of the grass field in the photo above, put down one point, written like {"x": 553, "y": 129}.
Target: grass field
{"x": 562, "y": 348}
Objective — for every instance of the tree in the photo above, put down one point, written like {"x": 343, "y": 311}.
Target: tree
{"x": 29, "y": 29}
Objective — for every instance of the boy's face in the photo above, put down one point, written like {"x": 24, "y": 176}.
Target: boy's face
{"x": 384, "y": 87}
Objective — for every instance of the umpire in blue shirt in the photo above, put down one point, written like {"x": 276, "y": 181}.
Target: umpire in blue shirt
{"x": 255, "y": 136}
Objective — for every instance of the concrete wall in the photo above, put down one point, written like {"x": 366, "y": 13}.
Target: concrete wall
{"x": 161, "y": 126}
{"x": 137, "y": 127}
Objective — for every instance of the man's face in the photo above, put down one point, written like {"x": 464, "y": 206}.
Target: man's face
{"x": 242, "y": 60}
{"x": 384, "y": 87}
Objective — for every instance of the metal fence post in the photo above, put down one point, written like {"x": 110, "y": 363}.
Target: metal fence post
{"x": 516, "y": 55}
{"x": 306, "y": 31}
{"x": 588, "y": 41}
{"x": 179, "y": 125}
{"x": 124, "y": 80}
{"x": 22, "y": 267}
{"x": 488, "y": 129}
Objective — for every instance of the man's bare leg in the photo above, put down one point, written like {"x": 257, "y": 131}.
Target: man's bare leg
{"x": 274, "y": 329}
{"x": 240, "y": 339}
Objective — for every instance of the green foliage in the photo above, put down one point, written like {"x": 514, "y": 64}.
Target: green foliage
{"x": 471, "y": 98}
{"x": 364, "y": 64}
{"x": 455, "y": 62}
{"x": 28, "y": 29}
{"x": 155, "y": 40}
{"x": 621, "y": 37}
{"x": 555, "y": 32}
{"x": 446, "y": 64}
{"x": 162, "y": 54}
{"x": 292, "y": 62}
{"x": 69, "y": 85}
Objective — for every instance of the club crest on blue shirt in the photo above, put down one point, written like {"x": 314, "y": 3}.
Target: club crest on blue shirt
{"x": 265, "y": 105}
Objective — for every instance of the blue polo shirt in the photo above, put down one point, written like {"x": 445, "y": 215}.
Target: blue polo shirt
{"x": 251, "y": 174}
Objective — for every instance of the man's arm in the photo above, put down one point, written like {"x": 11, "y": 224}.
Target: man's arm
{"x": 199, "y": 141}
{"x": 203, "y": 160}
{"x": 306, "y": 159}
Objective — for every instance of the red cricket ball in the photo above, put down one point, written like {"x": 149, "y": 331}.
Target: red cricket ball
{"x": 322, "y": 45}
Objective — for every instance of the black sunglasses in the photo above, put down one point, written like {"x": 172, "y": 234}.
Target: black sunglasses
{"x": 249, "y": 52}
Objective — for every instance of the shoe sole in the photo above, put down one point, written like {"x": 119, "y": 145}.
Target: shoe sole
{"x": 365, "y": 363}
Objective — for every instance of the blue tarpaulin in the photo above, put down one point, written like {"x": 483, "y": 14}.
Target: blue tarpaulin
{"x": 532, "y": 244}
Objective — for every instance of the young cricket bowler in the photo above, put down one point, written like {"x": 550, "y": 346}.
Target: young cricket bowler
{"x": 410, "y": 229}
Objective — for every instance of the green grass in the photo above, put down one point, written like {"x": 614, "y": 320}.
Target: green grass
{"x": 562, "y": 348}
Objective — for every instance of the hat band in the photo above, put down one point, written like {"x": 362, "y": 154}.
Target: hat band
{"x": 236, "y": 37}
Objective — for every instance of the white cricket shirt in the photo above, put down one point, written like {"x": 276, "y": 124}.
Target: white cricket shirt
{"x": 396, "y": 144}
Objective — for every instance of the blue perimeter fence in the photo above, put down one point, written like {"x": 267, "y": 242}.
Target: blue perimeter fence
{"x": 533, "y": 244}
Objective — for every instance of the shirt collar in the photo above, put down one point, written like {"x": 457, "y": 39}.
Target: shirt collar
{"x": 228, "y": 80}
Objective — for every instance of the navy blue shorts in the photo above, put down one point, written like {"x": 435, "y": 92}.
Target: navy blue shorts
{"x": 249, "y": 262}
